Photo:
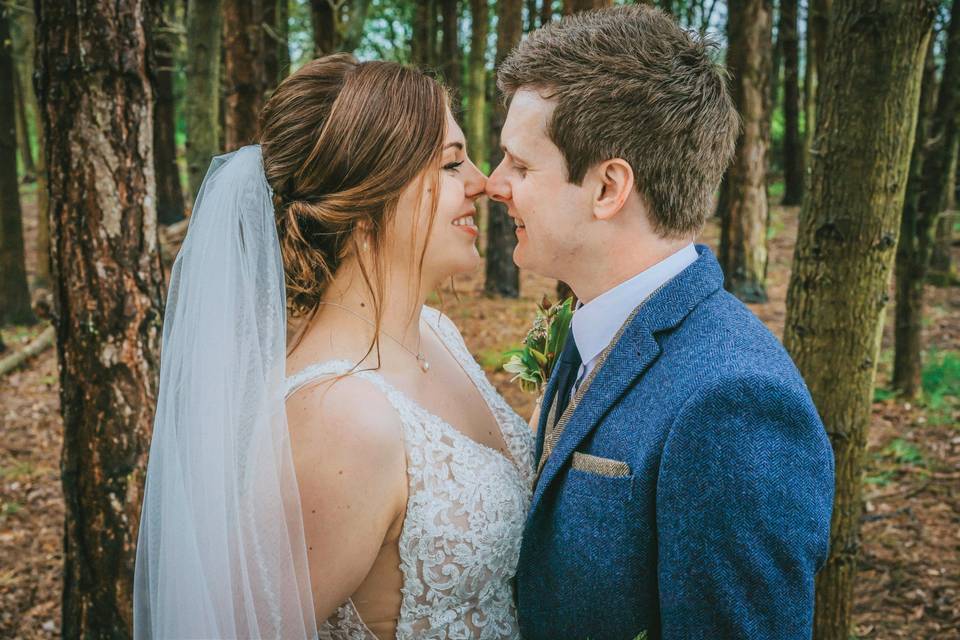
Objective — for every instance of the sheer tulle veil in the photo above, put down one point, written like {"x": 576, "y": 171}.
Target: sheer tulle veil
{"x": 221, "y": 552}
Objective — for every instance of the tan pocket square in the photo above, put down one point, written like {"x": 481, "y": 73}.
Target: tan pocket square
{"x": 600, "y": 466}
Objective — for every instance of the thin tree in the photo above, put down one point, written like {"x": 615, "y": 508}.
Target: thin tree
{"x": 97, "y": 106}
{"x": 164, "y": 40}
{"x": 920, "y": 214}
{"x": 502, "y": 275}
{"x": 23, "y": 129}
{"x": 849, "y": 221}
{"x": 325, "y": 36}
{"x": 792, "y": 141}
{"x": 532, "y": 15}
{"x": 203, "y": 89}
{"x": 245, "y": 75}
{"x": 423, "y": 43}
{"x": 41, "y": 269}
{"x": 276, "y": 52}
{"x": 14, "y": 293}
{"x": 546, "y": 12}
{"x": 451, "y": 57}
{"x": 476, "y": 118}
{"x": 744, "y": 209}
{"x": 818, "y": 12}
{"x": 574, "y": 6}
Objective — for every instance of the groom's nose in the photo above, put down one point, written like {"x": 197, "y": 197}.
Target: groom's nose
{"x": 498, "y": 187}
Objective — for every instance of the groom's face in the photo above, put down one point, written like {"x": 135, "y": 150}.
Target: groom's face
{"x": 551, "y": 213}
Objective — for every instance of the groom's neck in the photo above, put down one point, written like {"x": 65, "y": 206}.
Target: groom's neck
{"x": 615, "y": 265}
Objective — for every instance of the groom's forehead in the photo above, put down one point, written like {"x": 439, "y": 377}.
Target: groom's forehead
{"x": 527, "y": 117}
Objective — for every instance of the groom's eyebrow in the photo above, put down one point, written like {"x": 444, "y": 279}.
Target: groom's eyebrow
{"x": 513, "y": 155}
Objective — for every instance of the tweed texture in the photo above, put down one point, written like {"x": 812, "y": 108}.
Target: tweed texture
{"x": 723, "y": 518}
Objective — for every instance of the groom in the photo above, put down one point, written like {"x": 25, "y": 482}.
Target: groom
{"x": 685, "y": 481}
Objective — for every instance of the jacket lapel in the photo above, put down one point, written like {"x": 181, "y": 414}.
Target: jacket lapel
{"x": 625, "y": 361}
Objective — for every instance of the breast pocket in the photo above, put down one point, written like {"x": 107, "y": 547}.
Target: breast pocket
{"x": 601, "y": 478}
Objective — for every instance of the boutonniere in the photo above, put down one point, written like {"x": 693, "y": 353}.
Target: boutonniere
{"x": 533, "y": 362}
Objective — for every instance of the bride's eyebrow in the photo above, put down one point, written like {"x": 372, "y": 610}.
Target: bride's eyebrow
{"x": 456, "y": 145}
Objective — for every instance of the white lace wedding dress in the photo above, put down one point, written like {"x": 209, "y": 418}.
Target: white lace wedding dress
{"x": 467, "y": 503}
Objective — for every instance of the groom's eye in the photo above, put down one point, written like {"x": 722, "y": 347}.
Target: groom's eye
{"x": 521, "y": 170}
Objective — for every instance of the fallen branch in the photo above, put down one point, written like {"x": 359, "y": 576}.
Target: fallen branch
{"x": 38, "y": 346}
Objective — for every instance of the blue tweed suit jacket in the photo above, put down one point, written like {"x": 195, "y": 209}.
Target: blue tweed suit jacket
{"x": 723, "y": 518}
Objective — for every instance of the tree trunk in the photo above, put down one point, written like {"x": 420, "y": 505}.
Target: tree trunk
{"x": 97, "y": 106}
{"x": 869, "y": 91}
{"x": 918, "y": 227}
{"x": 14, "y": 293}
{"x": 271, "y": 45}
{"x": 792, "y": 142}
{"x": 450, "y": 12}
{"x": 325, "y": 37}
{"x": 170, "y": 204}
{"x": 244, "y": 67}
{"x": 502, "y": 275}
{"x": 941, "y": 262}
{"x": 531, "y": 16}
{"x": 476, "y": 119}
{"x": 546, "y": 12}
{"x": 574, "y": 6}
{"x": 23, "y": 130}
{"x": 423, "y": 47}
{"x": 818, "y": 21}
{"x": 744, "y": 217}
{"x": 203, "y": 89}
{"x": 41, "y": 272}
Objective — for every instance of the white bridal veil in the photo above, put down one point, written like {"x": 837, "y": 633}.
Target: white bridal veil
{"x": 221, "y": 551}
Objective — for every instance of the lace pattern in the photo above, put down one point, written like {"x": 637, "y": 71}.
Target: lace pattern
{"x": 460, "y": 539}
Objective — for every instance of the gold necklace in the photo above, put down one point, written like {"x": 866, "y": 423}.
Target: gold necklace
{"x": 421, "y": 360}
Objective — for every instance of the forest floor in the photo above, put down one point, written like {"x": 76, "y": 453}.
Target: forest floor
{"x": 908, "y": 576}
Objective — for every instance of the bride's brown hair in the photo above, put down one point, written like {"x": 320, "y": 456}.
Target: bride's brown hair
{"x": 340, "y": 140}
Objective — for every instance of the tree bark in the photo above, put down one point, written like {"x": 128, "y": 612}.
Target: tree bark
{"x": 792, "y": 141}
{"x": 14, "y": 293}
{"x": 203, "y": 89}
{"x": 532, "y": 14}
{"x": 920, "y": 214}
{"x": 325, "y": 36}
{"x": 244, "y": 49}
{"x": 423, "y": 45}
{"x": 170, "y": 205}
{"x": 745, "y": 214}
{"x": 451, "y": 58}
{"x": 818, "y": 21}
{"x": 849, "y": 221}
{"x": 97, "y": 106}
{"x": 476, "y": 119}
{"x": 502, "y": 275}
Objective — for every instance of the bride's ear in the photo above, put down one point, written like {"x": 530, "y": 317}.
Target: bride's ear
{"x": 614, "y": 185}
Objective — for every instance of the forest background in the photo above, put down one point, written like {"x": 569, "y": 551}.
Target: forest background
{"x": 836, "y": 223}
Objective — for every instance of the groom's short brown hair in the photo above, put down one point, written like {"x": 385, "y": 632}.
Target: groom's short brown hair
{"x": 629, "y": 83}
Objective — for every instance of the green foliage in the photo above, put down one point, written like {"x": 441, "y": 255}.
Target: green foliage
{"x": 940, "y": 380}
{"x": 533, "y": 362}
{"x": 902, "y": 452}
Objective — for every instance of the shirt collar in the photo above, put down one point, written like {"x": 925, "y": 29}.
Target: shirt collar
{"x": 596, "y": 323}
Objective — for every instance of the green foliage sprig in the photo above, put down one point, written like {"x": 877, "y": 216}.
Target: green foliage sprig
{"x": 532, "y": 364}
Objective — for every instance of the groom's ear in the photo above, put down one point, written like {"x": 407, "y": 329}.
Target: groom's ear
{"x": 614, "y": 186}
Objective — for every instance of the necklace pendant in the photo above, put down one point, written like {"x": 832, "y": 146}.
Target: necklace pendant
{"x": 424, "y": 365}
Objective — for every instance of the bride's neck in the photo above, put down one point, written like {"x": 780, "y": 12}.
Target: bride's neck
{"x": 348, "y": 301}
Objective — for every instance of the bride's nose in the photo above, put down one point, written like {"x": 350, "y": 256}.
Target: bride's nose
{"x": 476, "y": 183}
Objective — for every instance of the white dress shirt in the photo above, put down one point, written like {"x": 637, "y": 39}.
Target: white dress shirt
{"x": 595, "y": 324}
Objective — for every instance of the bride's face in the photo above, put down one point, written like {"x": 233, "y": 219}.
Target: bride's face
{"x": 451, "y": 241}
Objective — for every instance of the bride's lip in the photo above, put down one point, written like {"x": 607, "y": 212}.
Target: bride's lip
{"x": 467, "y": 228}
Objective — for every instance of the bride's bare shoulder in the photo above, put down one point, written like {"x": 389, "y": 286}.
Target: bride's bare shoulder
{"x": 345, "y": 421}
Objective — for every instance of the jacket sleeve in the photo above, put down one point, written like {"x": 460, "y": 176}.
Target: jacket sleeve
{"x": 744, "y": 499}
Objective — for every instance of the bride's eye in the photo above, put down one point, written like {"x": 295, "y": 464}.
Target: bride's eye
{"x": 453, "y": 166}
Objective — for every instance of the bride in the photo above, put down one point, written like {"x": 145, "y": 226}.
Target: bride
{"x": 361, "y": 479}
